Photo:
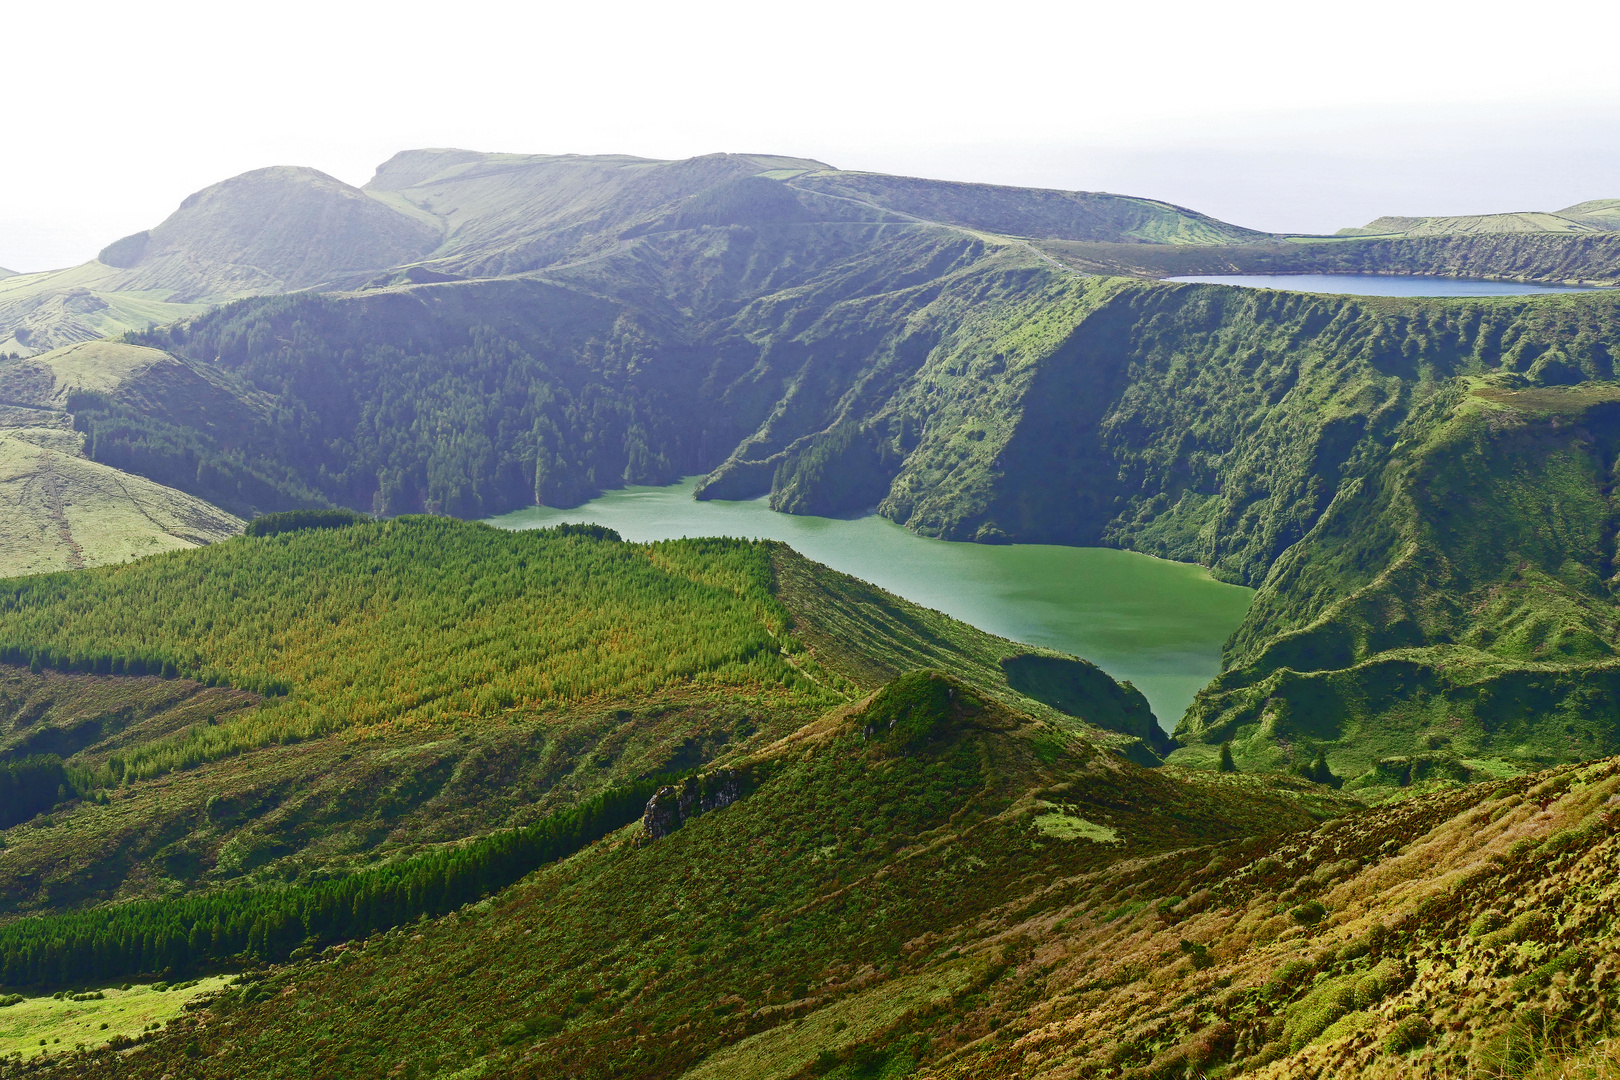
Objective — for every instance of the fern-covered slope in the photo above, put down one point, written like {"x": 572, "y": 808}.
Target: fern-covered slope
{"x": 980, "y": 898}
{"x": 849, "y": 880}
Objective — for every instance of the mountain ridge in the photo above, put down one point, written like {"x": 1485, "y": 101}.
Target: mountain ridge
{"x": 503, "y": 214}
{"x": 1594, "y": 215}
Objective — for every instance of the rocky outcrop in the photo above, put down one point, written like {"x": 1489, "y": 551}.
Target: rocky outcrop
{"x": 674, "y": 805}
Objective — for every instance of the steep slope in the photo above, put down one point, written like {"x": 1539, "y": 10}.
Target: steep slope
{"x": 63, "y": 511}
{"x": 974, "y": 392}
{"x": 791, "y": 330}
{"x": 736, "y": 924}
{"x": 362, "y": 691}
{"x": 978, "y": 897}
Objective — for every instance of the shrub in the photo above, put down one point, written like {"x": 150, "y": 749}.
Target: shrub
{"x": 1318, "y": 772}
{"x": 1408, "y": 1034}
{"x": 1377, "y": 984}
{"x": 1527, "y": 926}
{"x": 586, "y": 530}
{"x": 1227, "y": 764}
{"x": 1320, "y": 1008}
{"x": 1309, "y": 913}
{"x": 31, "y": 786}
{"x": 909, "y": 711}
{"x": 1286, "y": 976}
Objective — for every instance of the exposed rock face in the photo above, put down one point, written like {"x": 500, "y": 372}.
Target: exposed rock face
{"x": 672, "y": 806}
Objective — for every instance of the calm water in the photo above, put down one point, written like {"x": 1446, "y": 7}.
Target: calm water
{"x": 1381, "y": 284}
{"x": 1159, "y": 624}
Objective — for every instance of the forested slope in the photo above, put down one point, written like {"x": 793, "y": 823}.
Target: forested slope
{"x": 286, "y": 707}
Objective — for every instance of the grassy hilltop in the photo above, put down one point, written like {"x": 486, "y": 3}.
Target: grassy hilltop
{"x": 64, "y": 509}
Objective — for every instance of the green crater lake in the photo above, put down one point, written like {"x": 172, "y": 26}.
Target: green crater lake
{"x": 1159, "y": 624}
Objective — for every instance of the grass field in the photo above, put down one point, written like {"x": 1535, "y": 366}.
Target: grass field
{"x": 60, "y": 511}
{"x": 52, "y": 1025}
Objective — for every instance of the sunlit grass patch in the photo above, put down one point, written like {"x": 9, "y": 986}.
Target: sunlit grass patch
{"x": 53, "y": 1025}
{"x": 1063, "y": 826}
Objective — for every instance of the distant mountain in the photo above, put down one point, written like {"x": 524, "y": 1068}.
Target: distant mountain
{"x": 1032, "y": 212}
{"x": 268, "y": 231}
{"x": 1595, "y": 216}
{"x": 433, "y": 215}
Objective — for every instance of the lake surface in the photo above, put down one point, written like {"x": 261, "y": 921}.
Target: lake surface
{"x": 1382, "y": 284}
{"x": 1159, "y": 624}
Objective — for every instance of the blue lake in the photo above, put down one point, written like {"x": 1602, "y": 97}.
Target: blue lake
{"x": 1381, "y": 284}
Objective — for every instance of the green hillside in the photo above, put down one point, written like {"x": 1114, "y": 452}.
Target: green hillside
{"x": 975, "y": 392}
{"x": 291, "y": 705}
{"x": 975, "y": 895}
{"x": 62, "y": 511}
{"x": 44, "y": 311}
{"x": 1597, "y": 215}
{"x": 924, "y": 802}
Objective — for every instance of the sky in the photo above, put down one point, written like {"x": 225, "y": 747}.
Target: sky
{"x": 1280, "y": 116}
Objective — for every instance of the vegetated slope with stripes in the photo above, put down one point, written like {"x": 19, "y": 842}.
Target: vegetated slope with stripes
{"x": 380, "y": 688}
{"x": 979, "y": 897}
{"x": 180, "y": 936}
{"x": 413, "y": 620}
{"x": 810, "y": 911}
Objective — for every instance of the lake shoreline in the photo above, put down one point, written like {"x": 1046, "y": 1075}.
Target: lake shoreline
{"x": 1157, "y": 623}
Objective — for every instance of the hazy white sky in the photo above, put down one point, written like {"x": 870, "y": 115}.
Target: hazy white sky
{"x": 1287, "y": 115}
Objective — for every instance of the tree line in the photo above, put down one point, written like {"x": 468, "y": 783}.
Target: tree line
{"x": 170, "y": 938}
